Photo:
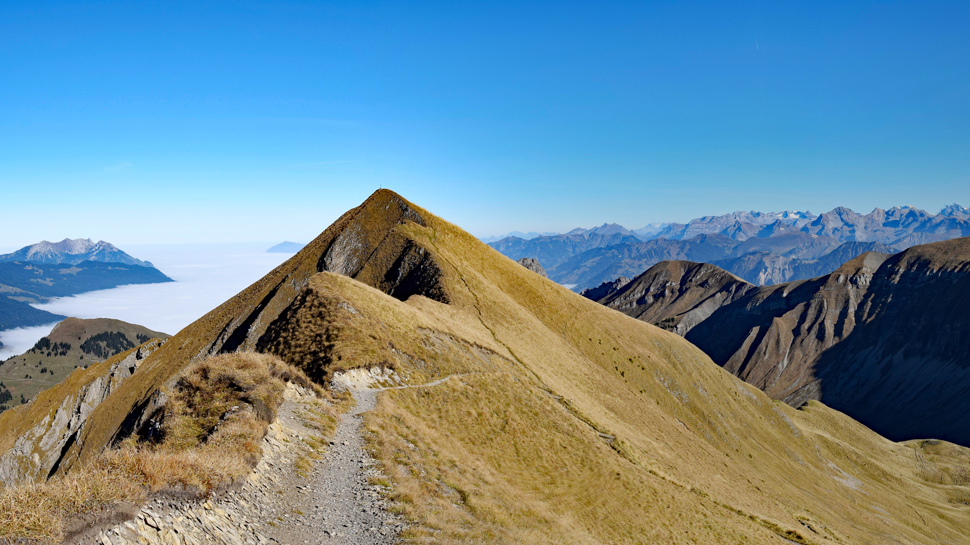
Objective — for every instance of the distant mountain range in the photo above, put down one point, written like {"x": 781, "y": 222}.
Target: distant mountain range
{"x": 518, "y": 234}
{"x": 881, "y": 338}
{"x": 761, "y": 248}
{"x": 72, "y": 252}
{"x": 38, "y": 272}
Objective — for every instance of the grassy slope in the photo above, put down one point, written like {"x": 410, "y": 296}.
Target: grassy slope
{"x": 74, "y": 332}
{"x": 512, "y": 449}
{"x": 698, "y": 455}
{"x": 267, "y": 298}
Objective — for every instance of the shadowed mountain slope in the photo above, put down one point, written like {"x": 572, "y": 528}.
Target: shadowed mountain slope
{"x": 546, "y": 417}
{"x": 882, "y": 338}
{"x": 772, "y": 337}
{"x": 677, "y": 295}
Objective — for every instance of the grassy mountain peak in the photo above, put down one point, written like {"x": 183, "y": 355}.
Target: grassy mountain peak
{"x": 555, "y": 419}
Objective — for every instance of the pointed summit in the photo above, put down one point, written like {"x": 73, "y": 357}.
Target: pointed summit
{"x": 538, "y": 409}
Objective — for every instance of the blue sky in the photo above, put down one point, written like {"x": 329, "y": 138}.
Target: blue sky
{"x": 177, "y": 122}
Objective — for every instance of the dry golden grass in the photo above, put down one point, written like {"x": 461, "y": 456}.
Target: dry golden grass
{"x": 37, "y": 512}
{"x": 565, "y": 422}
{"x": 213, "y": 423}
{"x": 572, "y": 423}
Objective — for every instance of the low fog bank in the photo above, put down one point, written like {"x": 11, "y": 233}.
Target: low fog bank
{"x": 205, "y": 276}
{"x": 17, "y": 341}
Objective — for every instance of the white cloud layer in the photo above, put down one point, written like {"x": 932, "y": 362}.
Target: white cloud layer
{"x": 17, "y": 341}
{"x": 205, "y": 276}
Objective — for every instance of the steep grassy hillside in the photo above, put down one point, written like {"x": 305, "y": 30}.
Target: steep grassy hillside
{"x": 73, "y": 343}
{"x": 557, "y": 420}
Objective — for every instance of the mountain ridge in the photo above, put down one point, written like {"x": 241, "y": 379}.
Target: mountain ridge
{"x": 853, "y": 338}
{"x": 72, "y": 252}
{"x": 765, "y": 248}
{"x": 536, "y": 415}
{"x": 72, "y": 343}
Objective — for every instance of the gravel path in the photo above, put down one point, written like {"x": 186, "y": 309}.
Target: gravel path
{"x": 276, "y": 505}
{"x": 337, "y": 503}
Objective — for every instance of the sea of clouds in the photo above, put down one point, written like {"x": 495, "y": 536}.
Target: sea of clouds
{"x": 205, "y": 276}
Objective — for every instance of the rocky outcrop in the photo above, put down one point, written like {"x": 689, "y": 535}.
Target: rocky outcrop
{"x": 40, "y": 451}
{"x": 605, "y": 289}
{"x": 533, "y": 265}
{"x": 677, "y": 295}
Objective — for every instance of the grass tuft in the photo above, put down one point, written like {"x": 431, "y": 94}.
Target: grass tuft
{"x": 212, "y": 425}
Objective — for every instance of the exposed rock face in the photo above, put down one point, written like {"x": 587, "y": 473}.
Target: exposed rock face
{"x": 73, "y": 251}
{"x": 677, "y": 295}
{"x": 533, "y": 265}
{"x": 773, "y": 336}
{"x": 905, "y": 370}
{"x": 882, "y": 338}
{"x": 40, "y": 451}
{"x": 605, "y": 289}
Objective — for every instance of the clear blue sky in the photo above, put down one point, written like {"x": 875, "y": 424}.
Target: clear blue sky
{"x": 193, "y": 121}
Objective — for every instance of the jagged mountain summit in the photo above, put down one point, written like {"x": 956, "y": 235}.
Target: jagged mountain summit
{"x": 530, "y": 414}
{"x": 36, "y": 273}
{"x": 743, "y": 225}
{"x": 879, "y": 338}
{"x": 762, "y": 248}
{"x": 898, "y": 226}
{"x": 72, "y": 252}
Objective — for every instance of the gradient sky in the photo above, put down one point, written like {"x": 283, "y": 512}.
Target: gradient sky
{"x": 192, "y": 121}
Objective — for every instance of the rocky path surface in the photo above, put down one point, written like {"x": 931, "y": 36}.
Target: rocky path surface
{"x": 335, "y": 503}
{"x": 342, "y": 505}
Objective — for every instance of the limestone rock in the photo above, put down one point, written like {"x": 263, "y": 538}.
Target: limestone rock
{"x": 533, "y": 265}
